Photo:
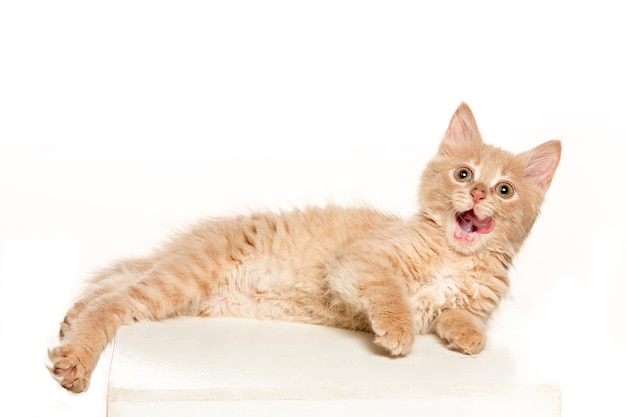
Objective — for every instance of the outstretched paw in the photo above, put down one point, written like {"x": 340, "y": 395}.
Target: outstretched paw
{"x": 68, "y": 368}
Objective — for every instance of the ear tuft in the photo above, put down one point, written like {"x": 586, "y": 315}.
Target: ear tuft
{"x": 542, "y": 161}
{"x": 462, "y": 130}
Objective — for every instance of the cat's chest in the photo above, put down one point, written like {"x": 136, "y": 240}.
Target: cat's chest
{"x": 432, "y": 266}
{"x": 449, "y": 282}
{"x": 443, "y": 280}
{"x": 443, "y": 283}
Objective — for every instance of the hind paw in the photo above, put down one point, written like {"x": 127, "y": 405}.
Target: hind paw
{"x": 67, "y": 367}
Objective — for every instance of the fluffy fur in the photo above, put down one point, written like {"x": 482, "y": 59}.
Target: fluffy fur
{"x": 444, "y": 270}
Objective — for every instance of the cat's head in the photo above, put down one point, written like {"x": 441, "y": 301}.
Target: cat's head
{"x": 482, "y": 196}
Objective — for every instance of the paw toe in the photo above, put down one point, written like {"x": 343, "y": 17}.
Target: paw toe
{"x": 469, "y": 341}
{"x": 398, "y": 341}
{"x": 68, "y": 370}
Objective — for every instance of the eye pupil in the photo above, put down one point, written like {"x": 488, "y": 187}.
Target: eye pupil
{"x": 463, "y": 174}
{"x": 505, "y": 190}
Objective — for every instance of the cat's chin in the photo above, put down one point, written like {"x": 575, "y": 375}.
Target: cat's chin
{"x": 468, "y": 228}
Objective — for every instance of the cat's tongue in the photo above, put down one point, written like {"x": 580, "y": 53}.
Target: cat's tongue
{"x": 468, "y": 223}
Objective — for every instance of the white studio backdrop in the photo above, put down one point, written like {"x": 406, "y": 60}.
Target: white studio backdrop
{"x": 123, "y": 121}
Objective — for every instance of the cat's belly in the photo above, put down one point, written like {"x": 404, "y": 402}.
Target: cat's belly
{"x": 271, "y": 291}
{"x": 261, "y": 306}
{"x": 277, "y": 307}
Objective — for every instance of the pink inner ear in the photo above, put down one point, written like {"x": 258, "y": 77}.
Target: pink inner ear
{"x": 542, "y": 161}
{"x": 462, "y": 129}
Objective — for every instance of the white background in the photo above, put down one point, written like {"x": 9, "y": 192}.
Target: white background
{"x": 123, "y": 121}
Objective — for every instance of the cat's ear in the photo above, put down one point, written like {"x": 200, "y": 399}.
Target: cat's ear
{"x": 541, "y": 162}
{"x": 461, "y": 132}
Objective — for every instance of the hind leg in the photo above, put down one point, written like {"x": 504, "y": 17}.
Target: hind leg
{"x": 104, "y": 282}
{"x": 162, "y": 292}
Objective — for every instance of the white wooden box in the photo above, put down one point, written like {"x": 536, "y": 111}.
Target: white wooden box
{"x": 195, "y": 367}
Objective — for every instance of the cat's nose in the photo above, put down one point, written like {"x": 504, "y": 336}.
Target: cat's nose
{"x": 477, "y": 194}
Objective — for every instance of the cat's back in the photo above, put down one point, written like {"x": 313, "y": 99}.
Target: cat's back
{"x": 300, "y": 232}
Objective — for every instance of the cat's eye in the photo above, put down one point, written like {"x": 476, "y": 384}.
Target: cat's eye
{"x": 463, "y": 174}
{"x": 505, "y": 190}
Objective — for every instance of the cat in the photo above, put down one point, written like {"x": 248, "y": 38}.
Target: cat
{"x": 443, "y": 270}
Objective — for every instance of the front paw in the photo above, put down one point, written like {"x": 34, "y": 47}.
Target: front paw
{"x": 466, "y": 339}
{"x": 70, "y": 367}
{"x": 395, "y": 337}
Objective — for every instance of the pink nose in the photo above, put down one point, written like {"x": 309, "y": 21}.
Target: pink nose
{"x": 478, "y": 195}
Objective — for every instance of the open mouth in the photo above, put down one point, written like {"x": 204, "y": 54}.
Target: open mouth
{"x": 468, "y": 227}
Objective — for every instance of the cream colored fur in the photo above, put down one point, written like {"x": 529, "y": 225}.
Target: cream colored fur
{"x": 354, "y": 268}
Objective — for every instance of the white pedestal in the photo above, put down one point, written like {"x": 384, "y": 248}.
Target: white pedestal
{"x": 239, "y": 367}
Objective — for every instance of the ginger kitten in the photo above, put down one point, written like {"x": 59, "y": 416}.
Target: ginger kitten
{"x": 444, "y": 270}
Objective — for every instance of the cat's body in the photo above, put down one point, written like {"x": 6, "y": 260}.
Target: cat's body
{"x": 443, "y": 270}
